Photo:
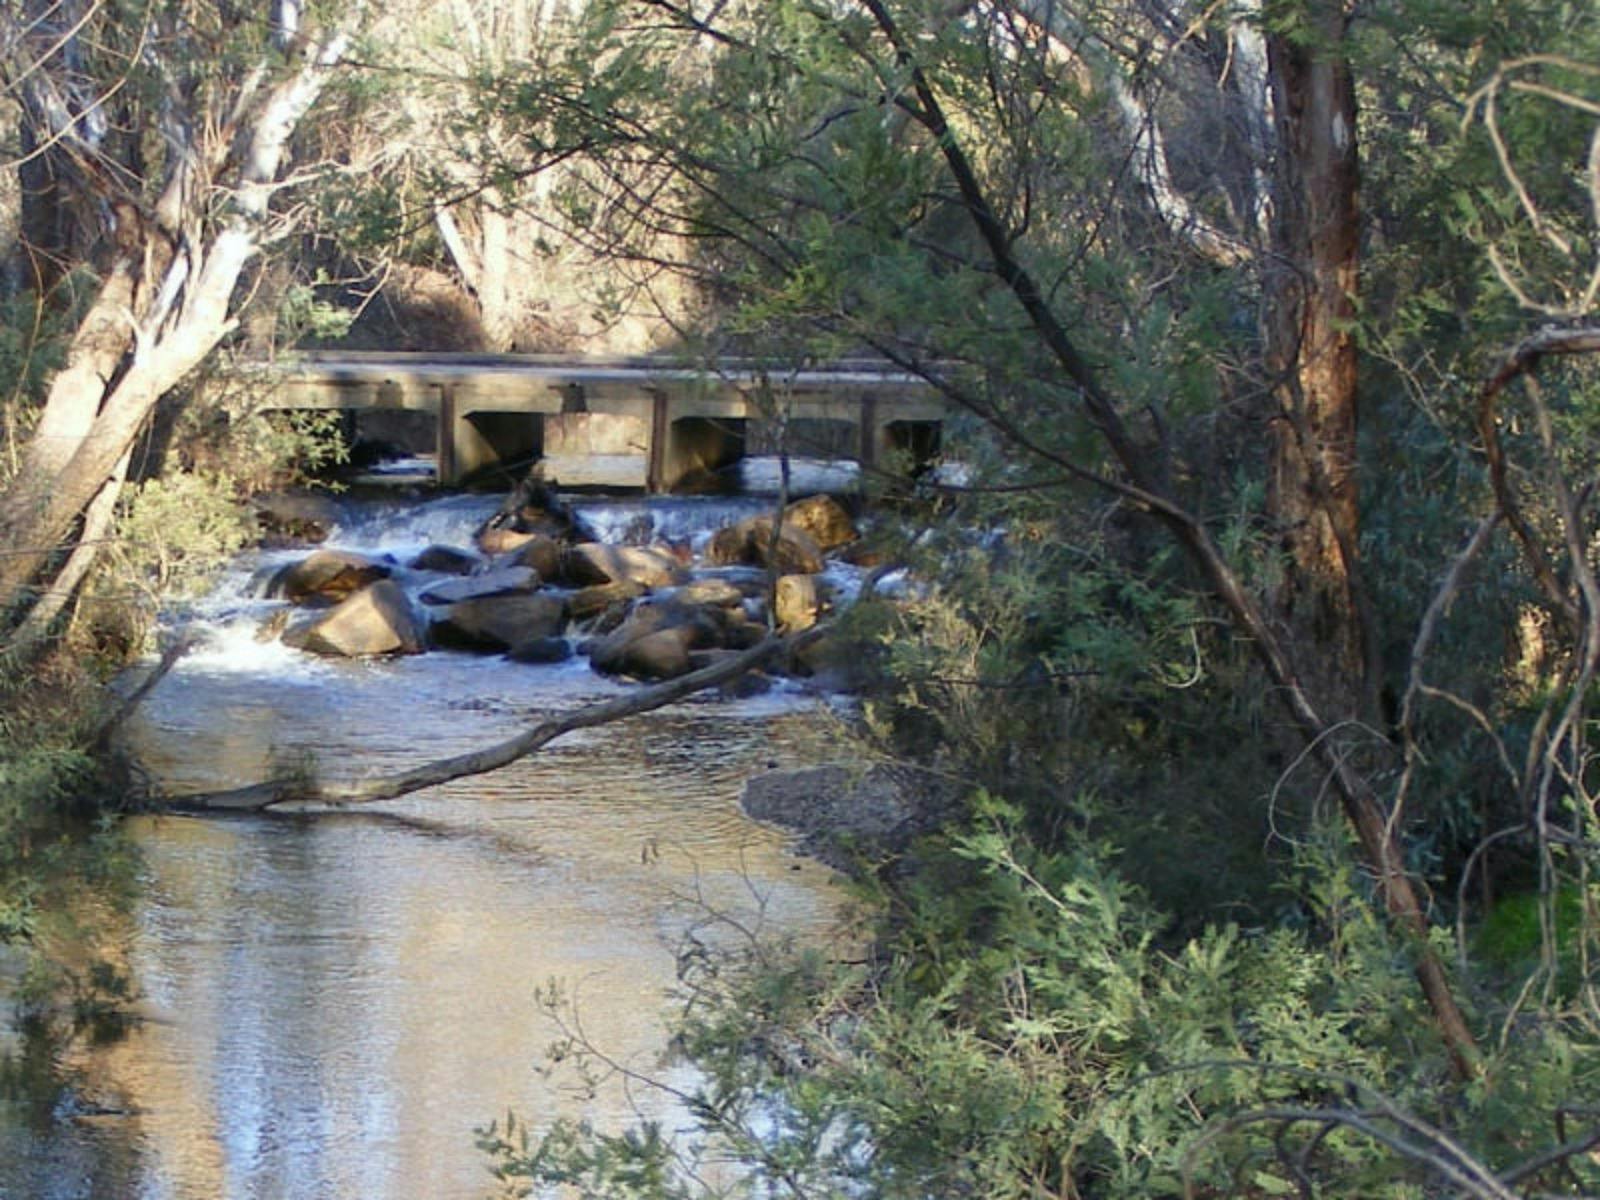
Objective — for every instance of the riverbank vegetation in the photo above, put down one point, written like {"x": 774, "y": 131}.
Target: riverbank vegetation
{"x": 1258, "y": 628}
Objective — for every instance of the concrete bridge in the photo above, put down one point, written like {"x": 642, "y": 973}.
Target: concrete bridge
{"x": 649, "y": 422}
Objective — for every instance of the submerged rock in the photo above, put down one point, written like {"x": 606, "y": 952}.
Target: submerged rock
{"x": 376, "y": 620}
{"x": 541, "y": 650}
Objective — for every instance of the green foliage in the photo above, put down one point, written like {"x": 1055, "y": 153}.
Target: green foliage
{"x": 1027, "y": 1030}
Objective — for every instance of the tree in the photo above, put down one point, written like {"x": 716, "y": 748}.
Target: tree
{"x": 921, "y": 180}
{"x": 172, "y": 202}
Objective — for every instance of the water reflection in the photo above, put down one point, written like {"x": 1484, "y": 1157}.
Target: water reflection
{"x": 335, "y": 1000}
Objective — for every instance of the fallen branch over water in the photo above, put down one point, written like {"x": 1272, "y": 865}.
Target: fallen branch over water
{"x": 259, "y": 796}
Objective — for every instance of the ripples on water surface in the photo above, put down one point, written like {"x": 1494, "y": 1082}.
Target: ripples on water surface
{"x": 336, "y": 999}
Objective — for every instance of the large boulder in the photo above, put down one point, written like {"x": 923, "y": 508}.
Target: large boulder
{"x": 663, "y": 654}
{"x": 750, "y": 542}
{"x": 376, "y": 620}
{"x": 824, "y": 519}
{"x": 502, "y": 581}
{"x": 591, "y": 563}
{"x": 325, "y": 575}
{"x": 693, "y": 628}
{"x": 496, "y": 623}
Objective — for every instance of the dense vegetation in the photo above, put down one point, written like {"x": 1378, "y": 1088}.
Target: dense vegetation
{"x": 1258, "y": 641}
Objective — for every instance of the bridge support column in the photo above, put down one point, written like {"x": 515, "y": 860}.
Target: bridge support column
{"x": 660, "y": 438}
{"x": 867, "y": 451}
{"x": 445, "y": 471}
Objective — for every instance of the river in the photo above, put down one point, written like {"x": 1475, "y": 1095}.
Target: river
{"x": 332, "y": 1001}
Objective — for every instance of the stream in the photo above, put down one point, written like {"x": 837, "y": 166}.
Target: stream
{"x": 332, "y": 1001}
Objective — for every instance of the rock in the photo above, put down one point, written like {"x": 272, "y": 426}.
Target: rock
{"x": 591, "y": 563}
{"x": 532, "y": 508}
{"x": 446, "y": 560}
{"x": 539, "y": 551}
{"x": 746, "y": 686}
{"x": 272, "y": 628}
{"x": 376, "y": 620}
{"x": 541, "y": 650}
{"x": 297, "y": 516}
{"x": 494, "y": 542}
{"x": 663, "y": 654}
{"x": 503, "y": 581}
{"x": 592, "y": 601}
{"x": 499, "y": 622}
{"x": 750, "y": 541}
{"x": 841, "y": 813}
{"x": 741, "y": 632}
{"x": 714, "y": 592}
{"x": 797, "y": 602}
{"x": 329, "y": 574}
{"x": 838, "y": 664}
{"x": 824, "y": 519}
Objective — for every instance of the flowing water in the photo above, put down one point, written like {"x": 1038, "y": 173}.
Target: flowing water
{"x": 334, "y": 1000}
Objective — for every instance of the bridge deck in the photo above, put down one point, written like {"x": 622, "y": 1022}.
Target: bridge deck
{"x": 470, "y": 392}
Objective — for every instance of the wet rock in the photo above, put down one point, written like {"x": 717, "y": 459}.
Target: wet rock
{"x": 751, "y": 542}
{"x": 289, "y": 517}
{"x": 503, "y": 581}
{"x": 376, "y": 620}
{"x": 532, "y": 508}
{"x": 541, "y": 650}
{"x": 501, "y": 622}
{"x": 741, "y": 630}
{"x": 714, "y": 592}
{"x": 589, "y": 602}
{"x": 446, "y": 560}
{"x": 591, "y": 563}
{"x": 272, "y": 628}
{"x": 797, "y": 602}
{"x": 746, "y": 686}
{"x": 327, "y": 574}
{"x": 824, "y": 519}
{"x": 663, "y": 654}
{"x": 538, "y": 551}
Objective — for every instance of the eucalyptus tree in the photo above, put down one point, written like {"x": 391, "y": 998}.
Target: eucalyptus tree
{"x": 166, "y": 132}
{"x": 1012, "y": 199}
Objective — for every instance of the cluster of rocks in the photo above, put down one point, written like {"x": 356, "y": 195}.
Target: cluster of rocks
{"x": 535, "y": 581}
